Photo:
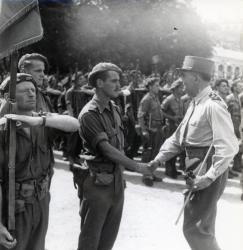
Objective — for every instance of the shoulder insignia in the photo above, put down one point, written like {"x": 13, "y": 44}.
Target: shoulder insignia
{"x": 215, "y": 97}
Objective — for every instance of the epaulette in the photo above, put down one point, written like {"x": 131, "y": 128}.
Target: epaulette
{"x": 215, "y": 97}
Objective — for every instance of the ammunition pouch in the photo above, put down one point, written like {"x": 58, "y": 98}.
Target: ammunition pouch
{"x": 29, "y": 191}
{"x": 103, "y": 179}
{"x": 102, "y": 172}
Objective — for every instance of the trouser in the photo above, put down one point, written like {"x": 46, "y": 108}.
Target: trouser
{"x": 31, "y": 225}
{"x": 237, "y": 165}
{"x": 152, "y": 145}
{"x": 100, "y": 211}
{"x": 200, "y": 215}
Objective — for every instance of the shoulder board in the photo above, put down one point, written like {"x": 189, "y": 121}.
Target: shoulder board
{"x": 215, "y": 97}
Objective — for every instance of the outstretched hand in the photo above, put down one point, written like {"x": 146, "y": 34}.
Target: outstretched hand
{"x": 153, "y": 165}
{"x": 29, "y": 120}
{"x": 144, "y": 168}
{"x": 6, "y": 238}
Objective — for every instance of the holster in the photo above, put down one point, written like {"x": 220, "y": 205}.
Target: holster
{"x": 194, "y": 158}
{"x": 80, "y": 173}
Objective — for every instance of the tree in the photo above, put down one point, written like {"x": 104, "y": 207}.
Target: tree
{"x": 87, "y": 31}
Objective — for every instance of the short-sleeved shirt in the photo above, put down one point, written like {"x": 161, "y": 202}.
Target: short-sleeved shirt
{"x": 150, "y": 110}
{"x": 100, "y": 123}
{"x": 172, "y": 106}
{"x": 34, "y": 157}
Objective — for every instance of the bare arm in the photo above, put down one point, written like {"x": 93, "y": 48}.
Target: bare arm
{"x": 63, "y": 122}
{"x": 116, "y": 156}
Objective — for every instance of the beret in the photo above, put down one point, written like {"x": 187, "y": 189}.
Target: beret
{"x": 102, "y": 67}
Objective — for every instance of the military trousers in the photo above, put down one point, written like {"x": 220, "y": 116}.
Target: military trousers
{"x": 200, "y": 215}
{"x": 101, "y": 212}
{"x": 31, "y": 225}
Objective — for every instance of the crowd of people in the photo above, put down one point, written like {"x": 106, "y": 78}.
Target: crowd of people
{"x": 148, "y": 110}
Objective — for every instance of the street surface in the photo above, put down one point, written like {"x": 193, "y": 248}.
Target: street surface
{"x": 148, "y": 218}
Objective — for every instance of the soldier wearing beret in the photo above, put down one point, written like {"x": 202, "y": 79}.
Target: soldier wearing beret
{"x": 150, "y": 119}
{"x": 33, "y": 168}
{"x": 207, "y": 122}
{"x": 172, "y": 108}
{"x": 101, "y": 129}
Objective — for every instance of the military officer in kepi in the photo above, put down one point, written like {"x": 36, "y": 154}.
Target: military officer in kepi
{"x": 207, "y": 135}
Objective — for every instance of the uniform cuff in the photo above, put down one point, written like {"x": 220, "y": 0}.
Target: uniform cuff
{"x": 100, "y": 137}
{"x": 212, "y": 174}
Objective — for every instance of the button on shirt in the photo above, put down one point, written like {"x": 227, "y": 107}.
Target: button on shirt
{"x": 205, "y": 123}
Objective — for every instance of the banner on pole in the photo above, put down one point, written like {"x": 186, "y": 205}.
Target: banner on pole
{"x": 20, "y": 25}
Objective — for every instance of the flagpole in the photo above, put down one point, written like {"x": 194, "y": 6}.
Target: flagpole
{"x": 12, "y": 144}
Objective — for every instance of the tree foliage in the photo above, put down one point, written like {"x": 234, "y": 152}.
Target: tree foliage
{"x": 90, "y": 31}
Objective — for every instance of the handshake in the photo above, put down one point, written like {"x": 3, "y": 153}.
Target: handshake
{"x": 147, "y": 168}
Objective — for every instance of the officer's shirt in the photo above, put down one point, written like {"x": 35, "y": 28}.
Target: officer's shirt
{"x": 210, "y": 122}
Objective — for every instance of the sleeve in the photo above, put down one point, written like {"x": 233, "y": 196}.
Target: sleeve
{"x": 171, "y": 147}
{"x": 224, "y": 140}
{"x": 91, "y": 130}
{"x": 165, "y": 105}
{"x": 143, "y": 108}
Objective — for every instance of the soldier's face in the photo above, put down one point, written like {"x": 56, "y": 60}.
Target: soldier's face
{"x": 26, "y": 96}
{"x": 155, "y": 88}
{"x": 111, "y": 86}
{"x": 191, "y": 83}
{"x": 223, "y": 88}
{"x": 36, "y": 69}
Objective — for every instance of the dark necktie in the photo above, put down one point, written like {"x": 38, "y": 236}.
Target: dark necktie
{"x": 184, "y": 128}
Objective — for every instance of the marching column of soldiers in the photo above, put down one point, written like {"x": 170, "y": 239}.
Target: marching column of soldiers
{"x": 106, "y": 120}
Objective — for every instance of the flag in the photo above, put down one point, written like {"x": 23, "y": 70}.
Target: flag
{"x": 20, "y": 25}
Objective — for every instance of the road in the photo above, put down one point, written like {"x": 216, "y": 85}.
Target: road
{"x": 148, "y": 217}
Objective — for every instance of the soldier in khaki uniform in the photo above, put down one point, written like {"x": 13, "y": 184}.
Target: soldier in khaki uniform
{"x": 33, "y": 168}
{"x": 172, "y": 108}
{"x": 207, "y": 122}
{"x": 150, "y": 119}
{"x": 102, "y": 194}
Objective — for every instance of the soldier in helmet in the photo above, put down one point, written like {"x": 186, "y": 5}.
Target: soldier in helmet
{"x": 33, "y": 168}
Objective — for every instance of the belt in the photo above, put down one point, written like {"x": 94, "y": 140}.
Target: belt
{"x": 32, "y": 189}
{"x": 198, "y": 152}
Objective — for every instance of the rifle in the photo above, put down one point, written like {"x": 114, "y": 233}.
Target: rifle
{"x": 12, "y": 144}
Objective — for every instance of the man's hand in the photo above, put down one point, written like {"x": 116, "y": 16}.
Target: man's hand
{"x": 6, "y": 238}
{"x": 153, "y": 165}
{"x": 143, "y": 168}
{"x": 199, "y": 183}
{"x": 28, "y": 120}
